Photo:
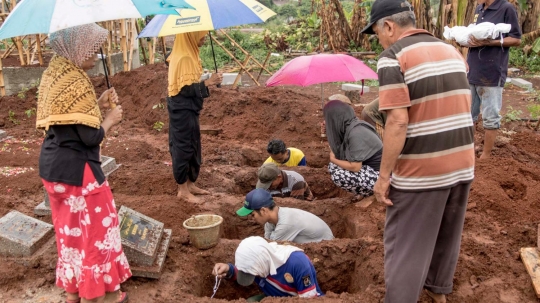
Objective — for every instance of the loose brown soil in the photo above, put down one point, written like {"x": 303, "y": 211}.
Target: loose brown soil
{"x": 502, "y": 213}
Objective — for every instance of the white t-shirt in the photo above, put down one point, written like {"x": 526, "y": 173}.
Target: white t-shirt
{"x": 297, "y": 226}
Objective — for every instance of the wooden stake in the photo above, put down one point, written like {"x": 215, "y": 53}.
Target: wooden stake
{"x": 132, "y": 41}
{"x": 151, "y": 46}
{"x": 20, "y": 49}
{"x": 162, "y": 40}
{"x": 244, "y": 68}
{"x": 234, "y": 43}
{"x": 141, "y": 42}
{"x": 530, "y": 258}
{"x": 264, "y": 64}
{"x": 123, "y": 43}
{"x": 2, "y": 86}
{"x": 40, "y": 54}
{"x": 234, "y": 58}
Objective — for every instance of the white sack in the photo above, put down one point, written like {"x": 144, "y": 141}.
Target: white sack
{"x": 481, "y": 31}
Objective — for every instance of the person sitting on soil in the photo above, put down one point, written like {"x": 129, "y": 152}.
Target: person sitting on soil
{"x": 373, "y": 116}
{"x": 186, "y": 95}
{"x": 281, "y": 155}
{"x": 283, "y": 183}
{"x": 283, "y": 223}
{"x": 278, "y": 270}
{"x": 356, "y": 149}
{"x": 90, "y": 257}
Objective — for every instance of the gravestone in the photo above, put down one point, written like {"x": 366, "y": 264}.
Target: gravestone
{"x": 108, "y": 165}
{"x": 3, "y": 134}
{"x": 145, "y": 242}
{"x": 21, "y": 235}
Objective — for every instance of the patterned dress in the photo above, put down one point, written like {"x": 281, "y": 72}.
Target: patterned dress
{"x": 90, "y": 257}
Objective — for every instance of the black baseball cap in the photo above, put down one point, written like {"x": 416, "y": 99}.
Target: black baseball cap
{"x": 255, "y": 200}
{"x": 385, "y": 8}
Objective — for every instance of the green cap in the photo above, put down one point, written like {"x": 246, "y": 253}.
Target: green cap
{"x": 255, "y": 199}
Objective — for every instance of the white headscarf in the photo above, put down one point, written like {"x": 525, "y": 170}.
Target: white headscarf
{"x": 257, "y": 257}
{"x": 78, "y": 43}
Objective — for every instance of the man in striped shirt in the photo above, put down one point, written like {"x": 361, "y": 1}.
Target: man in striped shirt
{"x": 428, "y": 153}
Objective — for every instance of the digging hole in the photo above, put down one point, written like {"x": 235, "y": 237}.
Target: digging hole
{"x": 343, "y": 225}
{"x": 341, "y": 267}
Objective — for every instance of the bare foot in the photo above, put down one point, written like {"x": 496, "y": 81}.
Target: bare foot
{"x": 187, "y": 196}
{"x": 437, "y": 298}
{"x": 197, "y": 191}
{"x": 484, "y": 156}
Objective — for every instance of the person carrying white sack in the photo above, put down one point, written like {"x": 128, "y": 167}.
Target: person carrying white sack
{"x": 488, "y": 66}
{"x": 482, "y": 31}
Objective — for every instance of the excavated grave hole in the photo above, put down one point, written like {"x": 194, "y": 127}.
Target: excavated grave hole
{"x": 342, "y": 266}
{"x": 353, "y": 224}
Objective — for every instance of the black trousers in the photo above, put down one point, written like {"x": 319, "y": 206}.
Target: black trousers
{"x": 184, "y": 140}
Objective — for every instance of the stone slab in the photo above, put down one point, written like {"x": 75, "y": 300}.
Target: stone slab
{"x": 521, "y": 83}
{"x": 3, "y": 134}
{"x": 140, "y": 235}
{"x": 108, "y": 165}
{"x": 47, "y": 248}
{"x": 228, "y": 78}
{"x": 154, "y": 271}
{"x": 21, "y": 235}
{"x": 210, "y": 130}
{"x": 354, "y": 87}
{"x": 512, "y": 70}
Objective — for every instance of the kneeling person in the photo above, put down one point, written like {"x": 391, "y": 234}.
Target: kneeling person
{"x": 278, "y": 270}
{"x": 283, "y": 183}
{"x": 283, "y": 223}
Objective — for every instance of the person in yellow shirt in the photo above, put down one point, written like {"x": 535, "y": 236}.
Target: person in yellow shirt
{"x": 281, "y": 155}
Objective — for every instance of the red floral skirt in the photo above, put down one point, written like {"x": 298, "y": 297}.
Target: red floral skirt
{"x": 91, "y": 261}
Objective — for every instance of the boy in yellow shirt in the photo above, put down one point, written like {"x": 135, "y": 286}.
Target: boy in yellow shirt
{"x": 281, "y": 155}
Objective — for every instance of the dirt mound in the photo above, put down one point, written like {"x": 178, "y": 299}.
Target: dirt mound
{"x": 502, "y": 213}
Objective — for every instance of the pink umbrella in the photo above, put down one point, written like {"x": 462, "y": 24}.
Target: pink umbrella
{"x": 308, "y": 70}
{"x": 321, "y": 68}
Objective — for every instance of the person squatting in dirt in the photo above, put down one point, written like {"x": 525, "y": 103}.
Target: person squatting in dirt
{"x": 372, "y": 115}
{"x": 283, "y": 183}
{"x": 356, "y": 149}
{"x": 91, "y": 261}
{"x": 427, "y": 164}
{"x": 281, "y": 155}
{"x": 186, "y": 94}
{"x": 284, "y": 223}
{"x": 278, "y": 270}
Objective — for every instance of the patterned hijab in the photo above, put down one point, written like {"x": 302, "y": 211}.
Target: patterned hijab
{"x": 78, "y": 43}
{"x": 184, "y": 63}
{"x": 66, "y": 94}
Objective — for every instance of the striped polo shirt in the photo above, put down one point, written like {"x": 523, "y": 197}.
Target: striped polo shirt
{"x": 429, "y": 77}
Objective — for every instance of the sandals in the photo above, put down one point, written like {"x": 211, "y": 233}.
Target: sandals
{"x": 123, "y": 299}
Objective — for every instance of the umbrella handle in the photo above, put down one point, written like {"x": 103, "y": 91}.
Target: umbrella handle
{"x": 111, "y": 104}
{"x": 213, "y": 54}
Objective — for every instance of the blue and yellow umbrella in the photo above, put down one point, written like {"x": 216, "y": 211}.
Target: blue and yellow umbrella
{"x": 207, "y": 15}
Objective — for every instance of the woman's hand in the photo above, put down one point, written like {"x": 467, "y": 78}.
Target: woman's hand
{"x": 220, "y": 270}
{"x": 114, "y": 116}
{"x": 109, "y": 96}
{"x": 332, "y": 156}
{"x": 215, "y": 79}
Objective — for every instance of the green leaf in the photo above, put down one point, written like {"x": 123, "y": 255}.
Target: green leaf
{"x": 536, "y": 46}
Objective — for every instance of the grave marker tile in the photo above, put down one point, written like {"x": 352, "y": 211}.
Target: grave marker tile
{"x": 154, "y": 271}
{"x": 3, "y": 134}
{"x": 140, "y": 235}
{"x": 21, "y": 235}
